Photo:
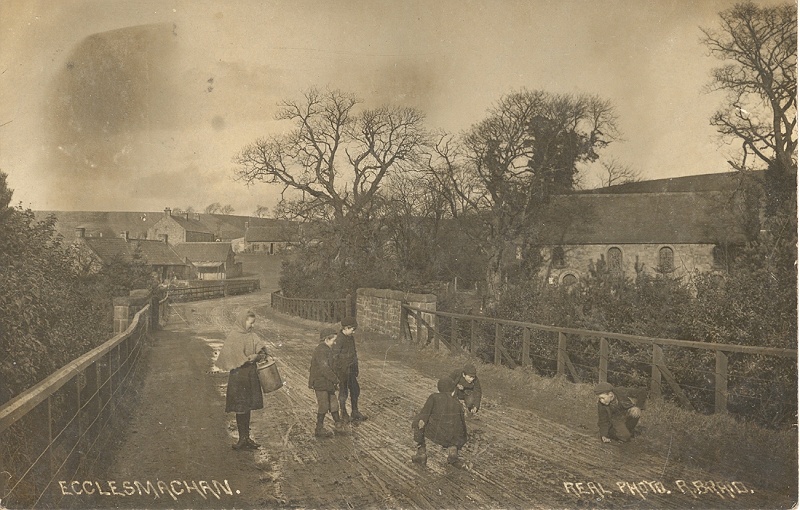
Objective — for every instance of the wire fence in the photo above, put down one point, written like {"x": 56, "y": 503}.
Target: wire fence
{"x": 54, "y": 431}
{"x": 751, "y": 381}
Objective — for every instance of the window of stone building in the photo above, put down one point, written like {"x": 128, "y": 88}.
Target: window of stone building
{"x": 558, "y": 257}
{"x": 666, "y": 259}
{"x": 569, "y": 279}
{"x": 614, "y": 256}
{"x": 722, "y": 256}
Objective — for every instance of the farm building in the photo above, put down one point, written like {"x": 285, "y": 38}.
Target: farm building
{"x": 210, "y": 261}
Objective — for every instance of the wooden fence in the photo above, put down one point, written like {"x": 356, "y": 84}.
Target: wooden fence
{"x": 321, "y": 310}
{"x": 466, "y": 332}
{"x": 55, "y": 430}
{"x": 214, "y": 289}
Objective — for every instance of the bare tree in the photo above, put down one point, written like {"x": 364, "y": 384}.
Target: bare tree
{"x": 212, "y": 208}
{"x": 613, "y": 172}
{"x": 758, "y": 46}
{"x": 226, "y": 209}
{"x": 332, "y": 164}
{"x": 262, "y": 211}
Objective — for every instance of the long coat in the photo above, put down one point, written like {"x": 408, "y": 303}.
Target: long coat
{"x": 345, "y": 357}
{"x": 443, "y": 417}
{"x": 321, "y": 376}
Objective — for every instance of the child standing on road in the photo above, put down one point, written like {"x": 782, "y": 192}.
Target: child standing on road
{"x": 323, "y": 381}
{"x": 618, "y": 411}
{"x": 442, "y": 421}
{"x": 346, "y": 367}
{"x": 468, "y": 387}
{"x": 242, "y": 349}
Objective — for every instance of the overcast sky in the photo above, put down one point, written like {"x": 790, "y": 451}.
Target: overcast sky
{"x": 139, "y": 105}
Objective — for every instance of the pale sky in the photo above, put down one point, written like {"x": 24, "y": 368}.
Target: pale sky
{"x": 140, "y": 105}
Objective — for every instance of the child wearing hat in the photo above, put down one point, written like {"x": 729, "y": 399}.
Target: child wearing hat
{"x": 442, "y": 421}
{"x": 323, "y": 381}
{"x": 345, "y": 363}
{"x": 618, "y": 411}
{"x": 468, "y": 387}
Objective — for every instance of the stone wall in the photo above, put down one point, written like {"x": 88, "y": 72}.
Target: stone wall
{"x": 378, "y": 310}
{"x": 687, "y": 258}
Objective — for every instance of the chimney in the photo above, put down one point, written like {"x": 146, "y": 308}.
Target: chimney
{"x": 246, "y": 225}
{"x": 80, "y": 232}
{"x": 167, "y": 212}
{"x": 124, "y": 234}
{"x": 165, "y": 237}
{"x": 187, "y": 216}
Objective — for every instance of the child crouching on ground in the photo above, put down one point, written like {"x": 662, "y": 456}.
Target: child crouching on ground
{"x": 618, "y": 411}
{"x": 442, "y": 421}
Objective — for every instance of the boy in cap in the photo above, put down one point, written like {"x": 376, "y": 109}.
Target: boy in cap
{"x": 323, "y": 381}
{"x": 468, "y": 387}
{"x": 442, "y": 421}
{"x": 345, "y": 363}
{"x": 618, "y": 411}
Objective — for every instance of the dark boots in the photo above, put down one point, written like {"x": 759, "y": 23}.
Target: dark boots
{"x": 421, "y": 457}
{"x": 320, "y": 430}
{"x": 452, "y": 456}
{"x": 243, "y": 426}
{"x": 355, "y": 415}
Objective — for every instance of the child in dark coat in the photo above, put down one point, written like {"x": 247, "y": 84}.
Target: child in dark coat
{"x": 322, "y": 379}
{"x": 618, "y": 411}
{"x": 468, "y": 387}
{"x": 345, "y": 364}
{"x": 442, "y": 421}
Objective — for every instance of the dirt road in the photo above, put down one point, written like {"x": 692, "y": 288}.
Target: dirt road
{"x": 515, "y": 457}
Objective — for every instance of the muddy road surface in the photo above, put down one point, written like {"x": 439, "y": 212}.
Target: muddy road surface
{"x": 515, "y": 457}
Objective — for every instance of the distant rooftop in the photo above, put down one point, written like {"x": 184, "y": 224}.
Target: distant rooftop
{"x": 727, "y": 181}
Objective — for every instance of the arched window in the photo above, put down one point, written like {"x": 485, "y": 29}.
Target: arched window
{"x": 558, "y": 257}
{"x": 666, "y": 259}
{"x": 615, "y": 261}
{"x": 569, "y": 279}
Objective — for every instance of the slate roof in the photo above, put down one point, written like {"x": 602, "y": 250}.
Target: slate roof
{"x": 109, "y": 248}
{"x": 110, "y": 224}
{"x": 726, "y": 181}
{"x": 155, "y": 253}
{"x": 204, "y": 252}
{"x": 643, "y": 218}
{"x": 191, "y": 225}
{"x": 276, "y": 234}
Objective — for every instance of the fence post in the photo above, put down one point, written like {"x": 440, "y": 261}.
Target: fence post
{"x": 603, "y": 360}
{"x": 419, "y": 328}
{"x": 655, "y": 377}
{"x": 562, "y": 353}
{"x": 349, "y": 304}
{"x": 453, "y": 333}
{"x": 498, "y": 341}
{"x": 721, "y": 383}
{"x": 526, "y": 347}
{"x": 404, "y": 323}
{"x": 472, "y": 334}
{"x": 429, "y": 332}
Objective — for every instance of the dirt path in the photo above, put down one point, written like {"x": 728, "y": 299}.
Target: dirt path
{"x": 515, "y": 457}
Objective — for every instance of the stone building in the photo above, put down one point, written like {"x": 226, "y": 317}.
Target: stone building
{"x": 180, "y": 228}
{"x": 669, "y": 226}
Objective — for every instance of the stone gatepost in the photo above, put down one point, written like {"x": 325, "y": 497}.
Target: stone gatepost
{"x": 125, "y": 308}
